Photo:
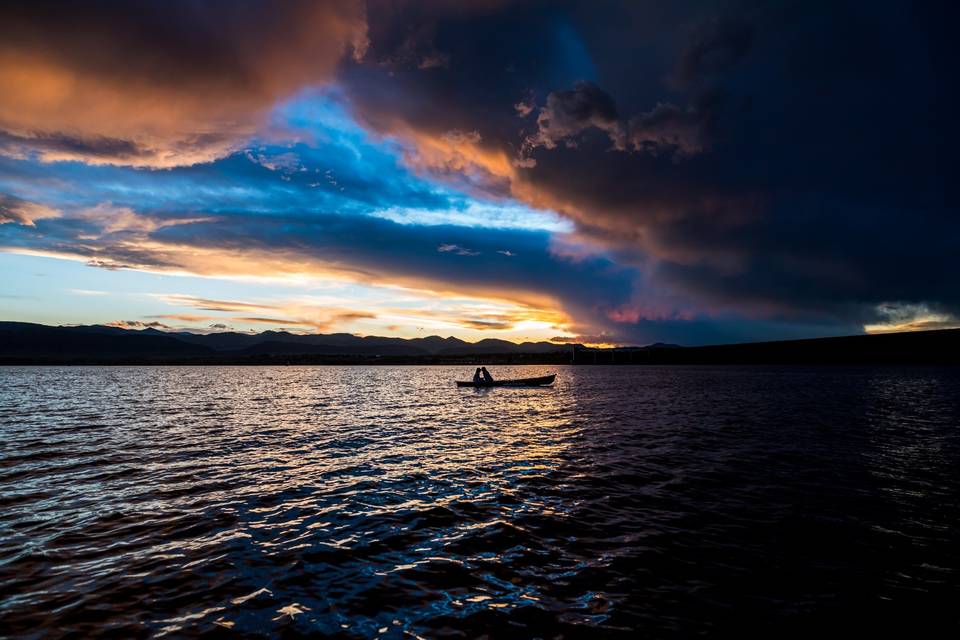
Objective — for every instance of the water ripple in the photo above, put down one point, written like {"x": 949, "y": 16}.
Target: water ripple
{"x": 384, "y": 502}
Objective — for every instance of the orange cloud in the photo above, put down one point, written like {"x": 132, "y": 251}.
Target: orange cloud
{"x": 485, "y": 316}
{"x": 601, "y": 340}
{"x": 112, "y": 219}
{"x": 17, "y": 211}
{"x": 137, "y": 324}
{"x": 184, "y": 317}
{"x": 206, "y": 304}
{"x": 130, "y": 85}
{"x": 294, "y": 314}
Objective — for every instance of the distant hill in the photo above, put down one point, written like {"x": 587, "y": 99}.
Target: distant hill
{"x": 917, "y": 347}
{"x": 282, "y": 342}
{"x": 283, "y": 347}
{"x": 36, "y": 341}
{"x": 25, "y": 341}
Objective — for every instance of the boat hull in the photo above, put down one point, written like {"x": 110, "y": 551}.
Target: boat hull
{"x": 519, "y": 382}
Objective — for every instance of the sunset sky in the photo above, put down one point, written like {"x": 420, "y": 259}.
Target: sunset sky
{"x": 605, "y": 172}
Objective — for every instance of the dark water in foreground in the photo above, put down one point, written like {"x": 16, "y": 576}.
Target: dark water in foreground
{"x": 383, "y": 502}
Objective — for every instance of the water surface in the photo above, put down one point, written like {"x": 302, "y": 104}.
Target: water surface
{"x": 383, "y": 502}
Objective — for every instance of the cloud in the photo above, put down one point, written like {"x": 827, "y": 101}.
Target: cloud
{"x": 457, "y": 249}
{"x": 88, "y": 292}
{"x": 525, "y": 107}
{"x": 486, "y": 325}
{"x": 356, "y": 249}
{"x": 138, "y": 324}
{"x": 911, "y": 317}
{"x": 347, "y": 316}
{"x": 287, "y": 313}
{"x": 534, "y": 290}
{"x": 17, "y": 211}
{"x": 259, "y": 320}
{"x": 53, "y": 146}
{"x": 586, "y": 339}
{"x": 715, "y": 46}
{"x": 568, "y": 113}
{"x": 184, "y": 317}
{"x": 109, "y": 218}
{"x": 750, "y": 164}
{"x": 482, "y": 316}
{"x": 206, "y": 304}
{"x": 667, "y": 127}
{"x": 317, "y": 320}
{"x": 287, "y": 163}
{"x": 159, "y": 84}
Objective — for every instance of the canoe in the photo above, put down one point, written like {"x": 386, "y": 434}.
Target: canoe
{"x": 519, "y": 382}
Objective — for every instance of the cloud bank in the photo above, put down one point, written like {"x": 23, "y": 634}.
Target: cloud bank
{"x": 777, "y": 161}
{"x": 159, "y": 84}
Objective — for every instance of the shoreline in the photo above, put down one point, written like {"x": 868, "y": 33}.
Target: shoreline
{"x": 940, "y": 347}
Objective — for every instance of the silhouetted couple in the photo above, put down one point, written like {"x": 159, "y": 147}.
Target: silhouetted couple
{"x": 482, "y": 376}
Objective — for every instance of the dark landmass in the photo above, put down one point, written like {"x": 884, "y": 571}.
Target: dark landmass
{"x": 25, "y": 343}
{"x": 917, "y": 347}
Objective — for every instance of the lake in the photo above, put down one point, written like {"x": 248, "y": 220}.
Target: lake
{"x": 363, "y": 502}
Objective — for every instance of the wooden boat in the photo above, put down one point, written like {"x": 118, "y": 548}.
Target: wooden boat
{"x": 519, "y": 382}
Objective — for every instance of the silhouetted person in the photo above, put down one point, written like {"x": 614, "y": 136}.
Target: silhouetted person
{"x": 486, "y": 375}
{"x": 477, "y": 378}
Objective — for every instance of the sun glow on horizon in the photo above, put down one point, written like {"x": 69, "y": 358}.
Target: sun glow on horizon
{"x": 156, "y": 299}
{"x": 902, "y": 317}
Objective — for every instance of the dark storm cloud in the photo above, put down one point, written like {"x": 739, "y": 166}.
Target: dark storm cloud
{"x": 61, "y": 143}
{"x": 715, "y": 46}
{"x": 668, "y": 128}
{"x": 569, "y": 113}
{"x": 498, "y": 54}
{"x": 784, "y": 161}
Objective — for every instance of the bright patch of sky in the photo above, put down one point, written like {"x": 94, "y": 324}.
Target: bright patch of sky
{"x": 480, "y": 215}
{"x": 321, "y": 118}
{"x": 55, "y": 291}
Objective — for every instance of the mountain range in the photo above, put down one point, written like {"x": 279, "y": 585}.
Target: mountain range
{"x": 26, "y": 343}
{"x": 28, "y": 340}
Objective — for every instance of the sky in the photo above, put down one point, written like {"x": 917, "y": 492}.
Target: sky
{"x": 597, "y": 172}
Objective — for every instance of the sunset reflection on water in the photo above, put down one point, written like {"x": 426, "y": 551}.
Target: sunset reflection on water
{"x": 384, "y": 501}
